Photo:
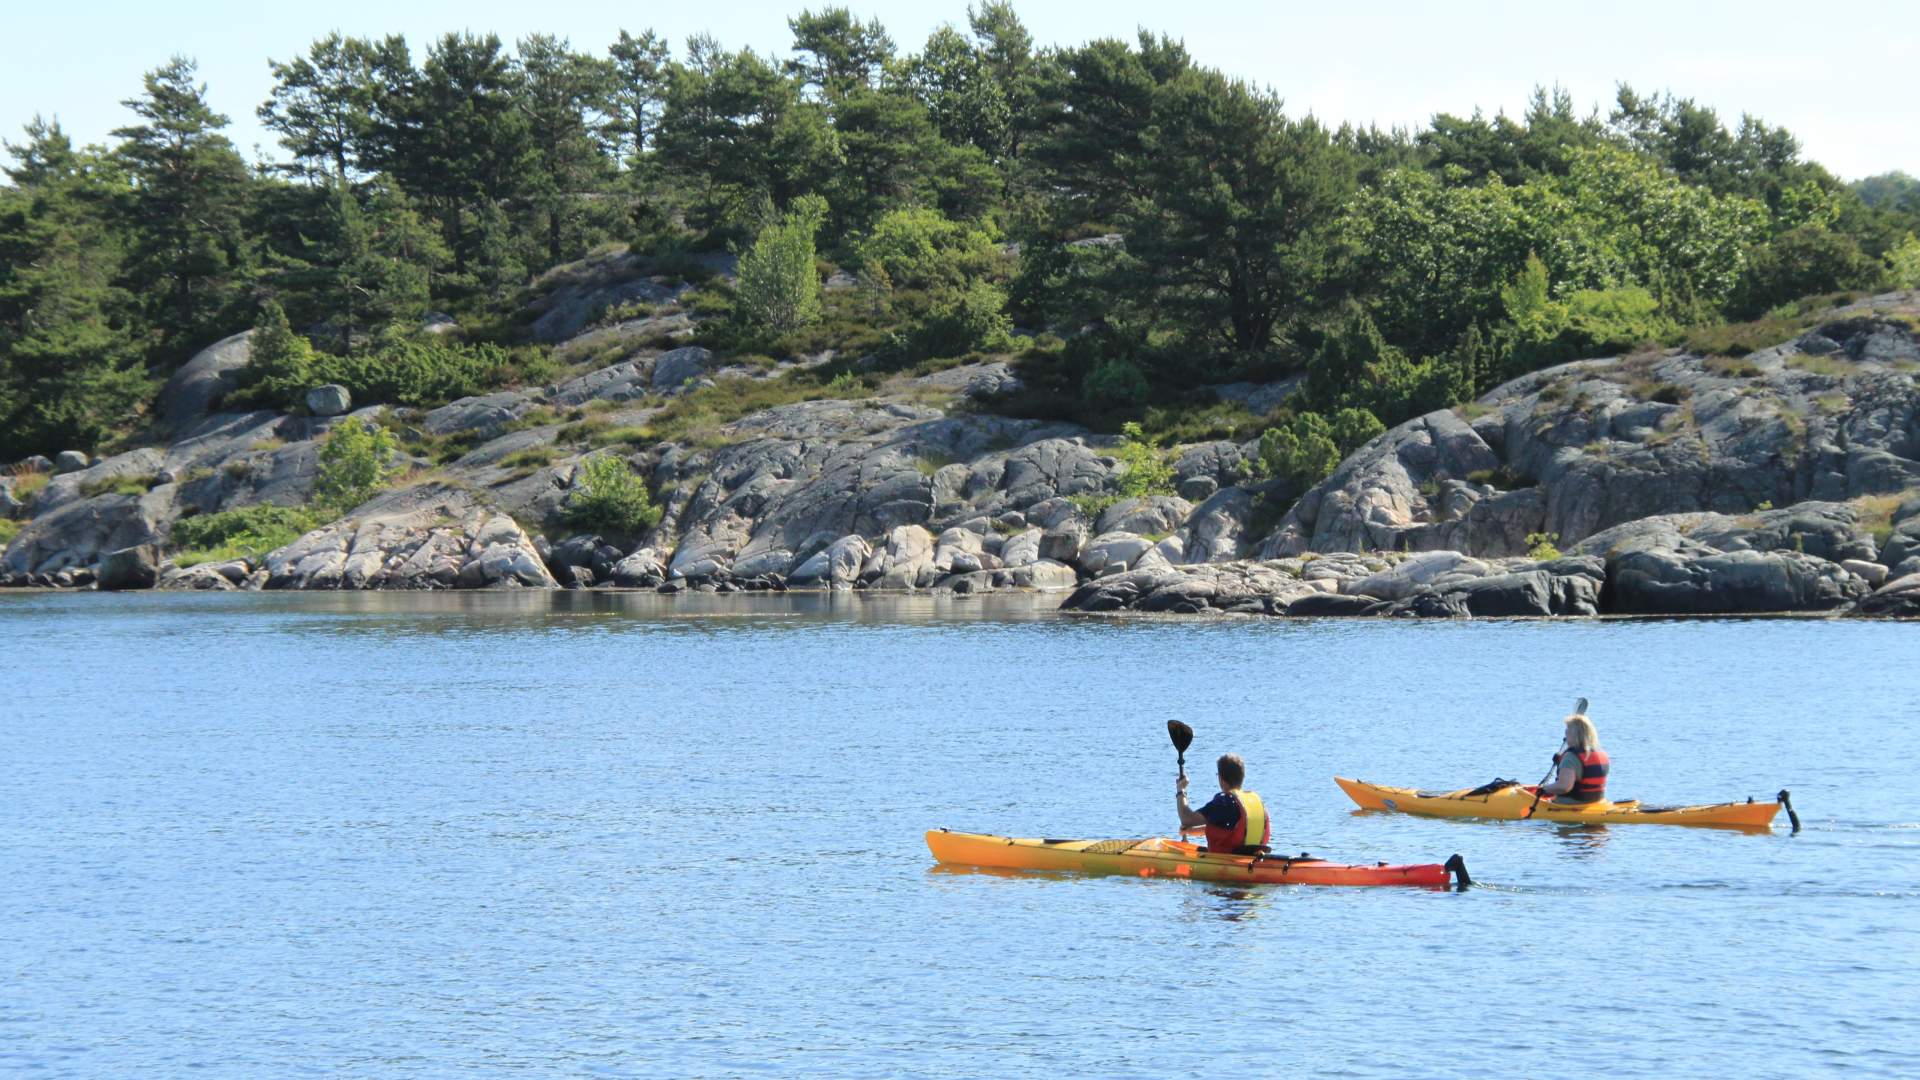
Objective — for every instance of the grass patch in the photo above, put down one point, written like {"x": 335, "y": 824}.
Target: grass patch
{"x": 928, "y": 464}
{"x": 1833, "y": 404}
{"x": 1665, "y": 393}
{"x": 1094, "y": 503}
{"x": 533, "y": 457}
{"x": 29, "y": 482}
{"x": 124, "y": 484}
{"x": 696, "y": 417}
{"x": 1472, "y": 410}
{"x": 1732, "y": 367}
{"x": 9, "y": 529}
{"x": 1504, "y": 478}
{"x": 1831, "y": 366}
{"x": 1874, "y": 513}
{"x": 630, "y": 435}
{"x": 584, "y": 431}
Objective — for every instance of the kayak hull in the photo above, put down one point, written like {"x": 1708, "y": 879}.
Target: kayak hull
{"x": 1159, "y": 857}
{"x": 1513, "y": 804}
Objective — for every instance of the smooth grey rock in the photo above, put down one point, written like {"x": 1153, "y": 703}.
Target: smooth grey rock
{"x": 1874, "y": 574}
{"x": 620, "y": 382}
{"x": 1155, "y": 515}
{"x": 838, "y": 564}
{"x": 640, "y": 570}
{"x": 1044, "y": 575}
{"x": 212, "y": 374}
{"x": 135, "y": 567}
{"x": 1897, "y": 598}
{"x": 1110, "y": 551}
{"x": 329, "y": 400}
{"x": 1022, "y": 549}
{"x": 70, "y": 461}
{"x": 673, "y": 370}
{"x": 1657, "y": 582}
{"x": 1407, "y": 577}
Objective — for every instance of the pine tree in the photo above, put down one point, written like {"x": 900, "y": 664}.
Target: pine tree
{"x": 322, "y": 106}
{"x": 641, "y": 66}
{"x": 187, "y": 248}
{"x": 70, "y": 370}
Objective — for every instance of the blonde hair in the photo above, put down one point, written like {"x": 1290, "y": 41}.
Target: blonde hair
{"x": 1581, "y": 736}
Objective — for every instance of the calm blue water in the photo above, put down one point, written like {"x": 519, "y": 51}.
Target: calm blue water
{"x": 594, "y": 834}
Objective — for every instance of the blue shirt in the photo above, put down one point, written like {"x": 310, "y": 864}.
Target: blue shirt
{"x": 1223, "y": 812}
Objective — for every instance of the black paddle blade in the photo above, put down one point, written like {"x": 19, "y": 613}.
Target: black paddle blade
{"x": 1181, "y": 734}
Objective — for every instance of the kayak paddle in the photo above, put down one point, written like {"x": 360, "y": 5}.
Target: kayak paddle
{"x": 1579, "y": 709}
{"x": 1182, "y": 737}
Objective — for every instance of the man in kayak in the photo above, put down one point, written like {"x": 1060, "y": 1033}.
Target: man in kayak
{"x": 1581, "y": 775}
{"x": 1235, "y": 820}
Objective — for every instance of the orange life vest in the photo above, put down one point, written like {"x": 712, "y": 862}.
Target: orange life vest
{"x": 1592, "y": 785}
{"x": 1252, "y": 823}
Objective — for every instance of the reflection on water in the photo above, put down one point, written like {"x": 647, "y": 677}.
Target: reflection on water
{"x": 1586, "y": 841}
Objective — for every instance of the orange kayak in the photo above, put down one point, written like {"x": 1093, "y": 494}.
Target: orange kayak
{"x": 1161, "y": 857}
{"x": 1515, "y": 802}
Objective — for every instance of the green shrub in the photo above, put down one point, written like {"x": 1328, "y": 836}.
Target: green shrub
{"x": 246, "y": 533}
{"x": 356, "y": 461}
{"x": 609, "y": 497}
{"x": 279, "y": 368}
{"x": 1147, "y": 470}
{"x": 415, "y": 371}
{"x": 923, "y": 249}
{"x": 1540, "y": 546}
{"x": 1307, "y": 447}
{"x": 974, "y": 320}
{"x": 9, "y": 529}
{"x": 779, "y": 289}
{"x": 1116, "y": 384}
{"x": 1903, "y": 264}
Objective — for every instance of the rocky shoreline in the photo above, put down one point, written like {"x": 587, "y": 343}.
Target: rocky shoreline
{"x": 1638, "y": 485}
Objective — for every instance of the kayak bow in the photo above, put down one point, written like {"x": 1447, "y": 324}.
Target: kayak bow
{"x": 1160, "y": 857}
{"x": 1511, "y": 803}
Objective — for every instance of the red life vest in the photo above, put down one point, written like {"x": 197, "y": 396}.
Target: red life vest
{"x": 1252, "y": 823}
{"x": 1592, "y": 785}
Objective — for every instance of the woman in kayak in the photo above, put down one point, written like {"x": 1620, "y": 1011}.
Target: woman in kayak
{"x": 1235, "y": 820}
{"x": 1582, "y": 766}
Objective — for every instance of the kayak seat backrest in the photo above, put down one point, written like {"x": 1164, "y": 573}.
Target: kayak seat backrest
{"x": 1491, "y": 786}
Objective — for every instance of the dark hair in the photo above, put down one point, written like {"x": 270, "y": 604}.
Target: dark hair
{"x": 1233, "y": 770}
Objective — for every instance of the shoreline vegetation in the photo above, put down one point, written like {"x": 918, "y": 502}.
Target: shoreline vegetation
{"x": 975, "y": 315}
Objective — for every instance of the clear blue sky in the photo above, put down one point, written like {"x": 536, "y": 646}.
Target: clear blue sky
{"x": 1840, "y": 76}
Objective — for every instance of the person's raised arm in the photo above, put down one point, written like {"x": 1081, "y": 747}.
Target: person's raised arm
{"x": 1189, "y": 817}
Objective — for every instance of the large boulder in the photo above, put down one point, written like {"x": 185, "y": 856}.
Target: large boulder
{"x": 329, "y": 400}
{"x": 71, "y": 461}
{"x": 193, "y": 390}
{"x": 674, "y": 370}
{"x": 837, "y": 565}
{"x": 1686, "y": 582}
{"x": 136, "y": 567}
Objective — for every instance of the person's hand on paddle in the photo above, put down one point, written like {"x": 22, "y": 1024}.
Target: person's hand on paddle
{"x": 1180, "y": 785}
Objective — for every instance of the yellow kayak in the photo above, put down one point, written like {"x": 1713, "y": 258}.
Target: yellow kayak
{"x": 1512, "y": 802}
